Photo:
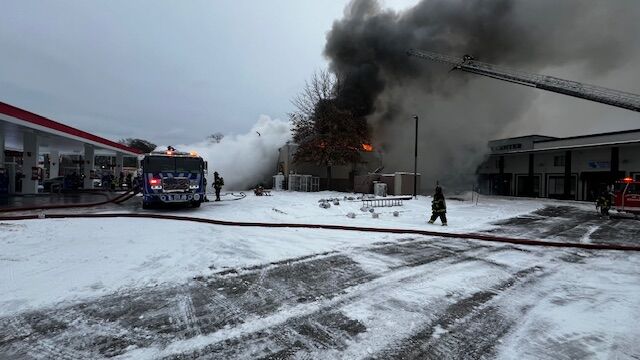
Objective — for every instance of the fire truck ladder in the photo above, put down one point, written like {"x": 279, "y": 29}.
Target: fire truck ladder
{"x": 572, "y": 88}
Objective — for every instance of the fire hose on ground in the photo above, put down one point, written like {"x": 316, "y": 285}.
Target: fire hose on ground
{"x": 466, "y": 236}
{"x": 116, "y": 200}
{"x": 241, "y": 195}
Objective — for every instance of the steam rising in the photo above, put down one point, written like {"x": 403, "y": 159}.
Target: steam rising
{"x": 247, "y": 159}
{"x": 460, "y": 112}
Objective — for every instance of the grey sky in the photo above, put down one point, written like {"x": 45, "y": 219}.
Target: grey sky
{"x": 148, "y": 68}
{"x": 175, "y": 71}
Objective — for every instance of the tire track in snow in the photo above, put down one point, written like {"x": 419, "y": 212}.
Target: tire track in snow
{"x": 235, "y": 342}
{"x": 23, "y": 338}
{"x": 469, "y": 328}
{"x": 185, "y": 314}
{"x": 298, "y": 300}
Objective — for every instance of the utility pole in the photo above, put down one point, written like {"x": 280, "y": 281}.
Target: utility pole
{"x": 415, "y": 162}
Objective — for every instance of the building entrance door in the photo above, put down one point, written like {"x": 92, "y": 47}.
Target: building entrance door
{"x": 524, "y": 188}
{"x": 495, "y": 184}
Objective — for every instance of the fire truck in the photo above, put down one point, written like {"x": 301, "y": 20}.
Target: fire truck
{"x": 627, "y": 196}
{"x": 172, "y": 177}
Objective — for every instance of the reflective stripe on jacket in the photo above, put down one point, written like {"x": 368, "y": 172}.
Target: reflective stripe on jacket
{"x": 438, "y": 204}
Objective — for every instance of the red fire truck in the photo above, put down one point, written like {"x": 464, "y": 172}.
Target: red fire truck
{"x": 627, "y": 196}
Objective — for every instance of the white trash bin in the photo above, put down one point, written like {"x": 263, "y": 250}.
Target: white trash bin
{"x": 379, "y": 189}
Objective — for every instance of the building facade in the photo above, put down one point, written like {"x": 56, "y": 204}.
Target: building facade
{"x": 342, "y": 176}
{"x": 575, "y": 168}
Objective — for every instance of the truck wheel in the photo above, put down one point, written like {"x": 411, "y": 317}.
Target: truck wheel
{"x": 196, "y": 204}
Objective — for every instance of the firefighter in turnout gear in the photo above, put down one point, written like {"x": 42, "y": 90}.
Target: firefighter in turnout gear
{"x": 218, "y": 183}
{"x": 438, "y": 207}
{"x": 603, "y": 203}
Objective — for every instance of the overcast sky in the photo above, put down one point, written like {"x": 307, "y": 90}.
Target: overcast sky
{"x": 176, "y": 71}
{"x": 168, "y": 71}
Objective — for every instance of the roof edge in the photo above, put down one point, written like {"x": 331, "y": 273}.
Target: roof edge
{"x": 591, "y": 135}
{"x": 40, "y": 120}
{"x": 525, "y": 136}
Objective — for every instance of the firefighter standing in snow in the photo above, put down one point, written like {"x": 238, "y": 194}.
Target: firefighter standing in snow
{"x": 218, "y": 183}
{"x": 438, "y": 207}
{"x": 603, "y": 203}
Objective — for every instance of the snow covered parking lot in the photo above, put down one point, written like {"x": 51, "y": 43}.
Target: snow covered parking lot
{"x": 142, "y": 288}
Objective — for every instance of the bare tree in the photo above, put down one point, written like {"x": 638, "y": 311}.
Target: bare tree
{"x": 140, "y": 144}
{"x": 323, "y": 85}
{"x": 215, "y": 137}
{"x": 326, "y": 133}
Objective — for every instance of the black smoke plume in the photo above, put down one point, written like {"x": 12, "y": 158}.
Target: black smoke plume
{"x": 459, "y": 112}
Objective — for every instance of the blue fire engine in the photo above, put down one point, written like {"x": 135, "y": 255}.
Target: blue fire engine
{"x": 172, "y": 177}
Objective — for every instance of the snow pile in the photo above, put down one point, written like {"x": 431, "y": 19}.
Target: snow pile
{"x": 247, "y": 159}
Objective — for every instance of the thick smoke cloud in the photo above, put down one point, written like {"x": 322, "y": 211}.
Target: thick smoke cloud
{"x": 460, "y": 112}
{"x": 245, "y": 160}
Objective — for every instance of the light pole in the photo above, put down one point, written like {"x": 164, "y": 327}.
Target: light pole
{"x": 415, "y": 161}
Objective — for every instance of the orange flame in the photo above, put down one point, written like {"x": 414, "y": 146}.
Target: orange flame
{"x": 367, "y": 147}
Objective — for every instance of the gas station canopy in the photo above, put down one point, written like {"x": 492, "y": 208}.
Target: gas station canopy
{"x": 34, "y": 135}
{"x": 52, "y": 135}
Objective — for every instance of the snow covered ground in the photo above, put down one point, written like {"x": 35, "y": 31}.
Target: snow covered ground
{"x": 143, "y": 288}
{"x": 304, "y": 208}
{"x": 54, "y": 260}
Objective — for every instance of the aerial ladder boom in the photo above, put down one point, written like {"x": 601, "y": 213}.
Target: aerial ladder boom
{"x": 572, "y": 88}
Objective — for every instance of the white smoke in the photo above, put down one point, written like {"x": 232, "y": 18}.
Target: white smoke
{"x": 247, "y": 159}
